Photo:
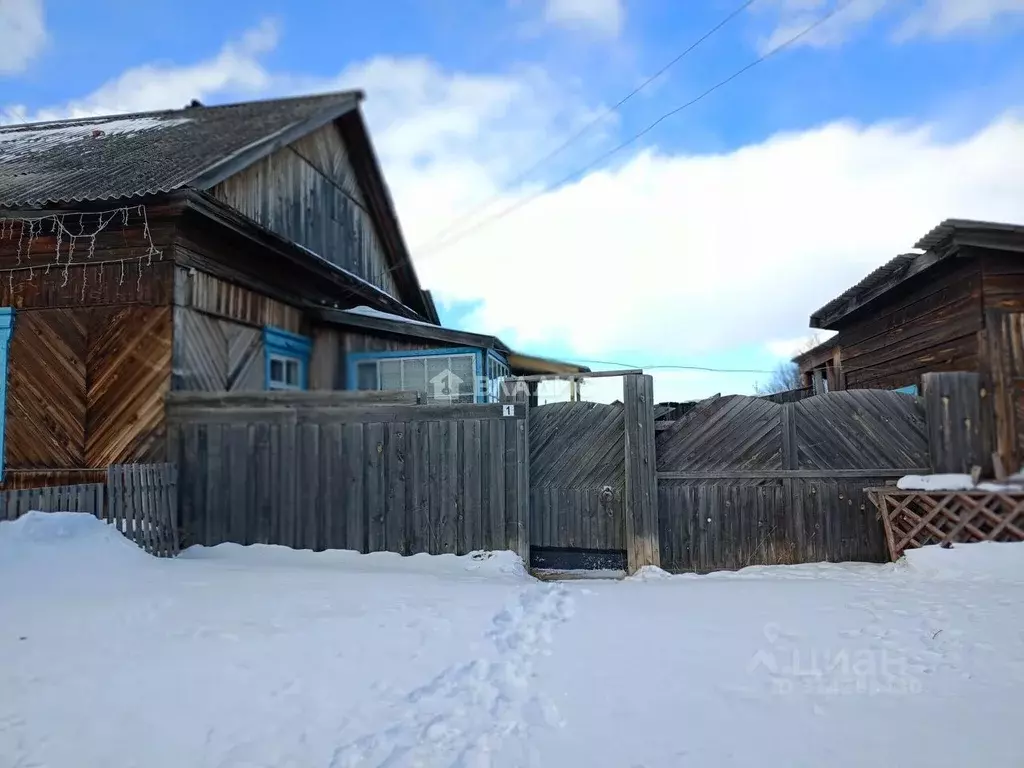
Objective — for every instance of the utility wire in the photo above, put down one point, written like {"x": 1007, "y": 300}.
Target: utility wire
{"x": 440, "y": 236}
{"x": 672, "y": 367}
{"x": 636, "y": 137}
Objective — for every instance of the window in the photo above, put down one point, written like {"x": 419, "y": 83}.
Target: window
{"x": 910, "y": 389}
{"x": 6, "y": 327}
{"x": 442, "y": 376}
{"x": 497, "y": 370}
{"x": 287, "y": 359}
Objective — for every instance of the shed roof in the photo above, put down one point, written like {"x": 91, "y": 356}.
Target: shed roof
{"x": 145, "y": 153}
{"x": 937, "y": 245}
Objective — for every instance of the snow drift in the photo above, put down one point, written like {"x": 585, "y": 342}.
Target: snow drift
{"x": 46, "y": 535}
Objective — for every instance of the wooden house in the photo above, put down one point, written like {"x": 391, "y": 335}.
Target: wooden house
{"x": 957, "y": 305}
{"x": 240, "y": 247}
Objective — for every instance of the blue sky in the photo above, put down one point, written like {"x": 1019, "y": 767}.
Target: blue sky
{"x": 708, "y": 243}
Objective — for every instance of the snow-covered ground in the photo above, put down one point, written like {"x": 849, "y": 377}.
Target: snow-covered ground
{"x": 261, "y": 656}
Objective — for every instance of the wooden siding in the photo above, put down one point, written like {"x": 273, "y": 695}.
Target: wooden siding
{"x": 331, "y": 345}
{"x": 577, "y": 476}
{"x": 86, "y": 386}
{"x": 211, "y": 354}
{"x": 932, "y": 327}
{"x": 743, "y": 481}
{"x": 1004, "y": 336}
{"x": 203, "y": 292}
{"x": 308, "y": 193}
{"x": 1003, "y": 281}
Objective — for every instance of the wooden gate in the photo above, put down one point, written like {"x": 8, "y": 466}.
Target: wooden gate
{"x": 744, "y": 481}
{"x": 592, "y": 482}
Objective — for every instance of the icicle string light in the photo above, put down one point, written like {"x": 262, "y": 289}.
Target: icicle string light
{"x": 61, "y": 225}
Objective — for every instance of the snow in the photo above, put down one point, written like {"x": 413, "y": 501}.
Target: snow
{"x": 262, "y": 656}
{"x": 957, "y": 482}
{"x": 17, "y": 139}
{"x": 371, "y": 312}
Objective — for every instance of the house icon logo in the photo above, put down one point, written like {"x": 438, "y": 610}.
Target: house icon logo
{"x": 445, "y": 385}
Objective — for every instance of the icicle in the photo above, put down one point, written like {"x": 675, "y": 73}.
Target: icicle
{"x": 120, "y": 280}
{"x": 138, "y": 285}
{"x": 85, "y": 280}
{"x": 21, "y": 238}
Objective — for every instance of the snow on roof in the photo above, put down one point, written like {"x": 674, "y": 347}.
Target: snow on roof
{"x": 42, "y": 137}
{"x": 371, "y": 312}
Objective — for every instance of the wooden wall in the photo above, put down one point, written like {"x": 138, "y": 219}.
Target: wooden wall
{"x": 308, "y": 192}
{"x": 931, "y": 326}
{"x": 218, "y": 333}
{"x": 332, "y": 344}
{"x": 89, "y": 361}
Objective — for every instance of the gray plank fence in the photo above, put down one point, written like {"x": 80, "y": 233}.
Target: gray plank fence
{"x": 745, "y": 481}
{"x": 140, "y": 500}
{"x": 343, "y": 470}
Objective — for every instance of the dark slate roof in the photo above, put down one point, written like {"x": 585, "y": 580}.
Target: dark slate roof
{"x": 945, "y": 232}
{"x": 935, "y": 246}
{"x": 116, "y": 156}
{"x": 891, "y": 270}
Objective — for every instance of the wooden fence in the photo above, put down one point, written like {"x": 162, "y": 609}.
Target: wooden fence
{"x": 140, "y": 500}
{"x": 745, "y": 481}
{"x": 347, "y": 470}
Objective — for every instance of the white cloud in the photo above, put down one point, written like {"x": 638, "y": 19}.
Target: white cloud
{"x": 236, "y": 69}
{"x": 934, "y": 18}
{"x": 22, "y": 33}
{"x": 938, "y": 18}
{"x": 604, "y": 17}
{"x": 660, "y": 259}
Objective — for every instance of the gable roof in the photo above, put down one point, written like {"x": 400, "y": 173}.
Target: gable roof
{"x": 135, "y": 155}
{"x": 941, "y": 243}
{"x": 145, "y": 153}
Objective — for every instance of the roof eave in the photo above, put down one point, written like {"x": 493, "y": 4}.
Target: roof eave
{"x": 346, "y": 283}
{"x": 371, "y": 178}
{"x": 410, "y": 330}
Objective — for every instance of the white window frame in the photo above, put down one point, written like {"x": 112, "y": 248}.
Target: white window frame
{"x": 285, "y": 360}
{"x": 423, "y": 387}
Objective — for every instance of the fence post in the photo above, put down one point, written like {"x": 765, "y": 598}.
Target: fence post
{"x": 520, "y": 395}
{"x": 959, "y": 433}
{"x": 641, "y": 501}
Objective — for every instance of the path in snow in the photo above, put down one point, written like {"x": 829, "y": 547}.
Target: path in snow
{"x": 466, "y": 714}
{"x": 262, "y": 657}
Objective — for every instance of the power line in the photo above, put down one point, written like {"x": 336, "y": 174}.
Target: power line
{"x": 440, "y": 236}
{"x": 699, "y": 368}
{"x": 636, "y": 137}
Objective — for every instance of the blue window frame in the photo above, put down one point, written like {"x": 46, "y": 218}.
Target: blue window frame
{"x": 287, "y": 359}
{"x": 451, "y": 375}
{"x": 6, "y": 328}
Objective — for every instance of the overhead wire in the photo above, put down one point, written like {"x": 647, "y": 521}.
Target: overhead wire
{"x": 440, "y": 236}
{"x": 636, "y": 137}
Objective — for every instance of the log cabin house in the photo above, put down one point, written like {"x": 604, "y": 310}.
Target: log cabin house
{"x": 958, "y": 305}
{"x": 247, "y": 246}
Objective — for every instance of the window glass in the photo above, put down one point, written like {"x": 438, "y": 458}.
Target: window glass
{"x": 414, "y": 374}
{"x": 276, "y": 369}
{"x": 366, "y": 375}
{"x": 291, "y": 373}
{"x": 391, "y": 374}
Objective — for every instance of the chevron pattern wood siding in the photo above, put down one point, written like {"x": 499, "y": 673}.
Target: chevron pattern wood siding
{"x": 46, "y": 390}
{"x": 860, "y": 429}
{"x": 129, "y": 375}
{"x": 213, "y": 355}
{"x": 734, "y": 432}
{"x": 577, "y": 476}
{"x": 86, "y": 387}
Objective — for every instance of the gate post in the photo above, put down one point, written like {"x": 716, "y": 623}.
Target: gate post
{"x": 514, "y": 391}
{"x": 641, "y": 501}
